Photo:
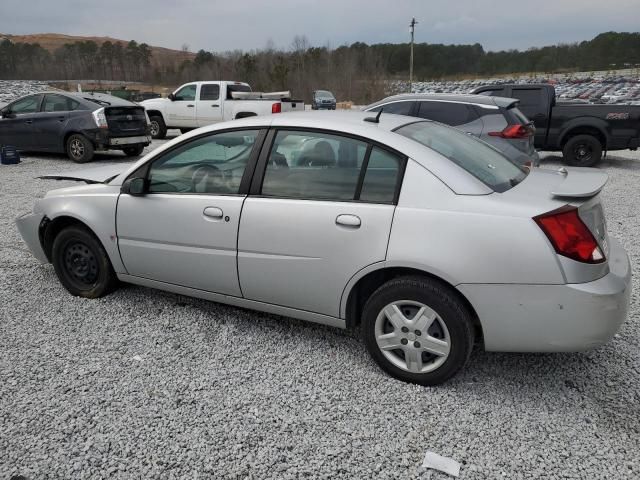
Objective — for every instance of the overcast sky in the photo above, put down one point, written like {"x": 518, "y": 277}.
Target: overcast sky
{"x": 250, "y": 24}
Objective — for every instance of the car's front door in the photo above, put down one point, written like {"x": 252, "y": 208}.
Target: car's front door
{"x": 16, "y": 126}
{"x": 181, "y": 112}
{"x": 209, "y": 106}
{"x": 321, "y": 212}
{"x": 184, "y": 229}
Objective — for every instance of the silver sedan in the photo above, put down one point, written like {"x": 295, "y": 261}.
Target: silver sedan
{"x": 425, "y": 236}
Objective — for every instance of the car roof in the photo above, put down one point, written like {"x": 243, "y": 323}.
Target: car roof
{"x": 349, "y": 123}
{"x": 85, "y": 98}
{"x": 469, "y": 98}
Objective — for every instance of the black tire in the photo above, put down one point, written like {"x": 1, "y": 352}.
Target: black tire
{"x": 82, "y": 264}
{"x": 582, "y": 151}
{"x": 133, "y": 151}
{"x": 453, "y": 323}
{"x": 79, "y": 148}
{"x": 158, "y": 127}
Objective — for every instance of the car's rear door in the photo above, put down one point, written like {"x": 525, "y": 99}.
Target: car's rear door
{"x": 320, "y": 210}
{"x": 50, "y": 123}
{"x": 184, "y": 229}
{"x": 209, "y": 105}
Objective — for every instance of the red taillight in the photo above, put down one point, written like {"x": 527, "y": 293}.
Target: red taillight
{"x": 514, "y": 131}
{"x": 276, "y": 108}
{"x": 569, "y": 235}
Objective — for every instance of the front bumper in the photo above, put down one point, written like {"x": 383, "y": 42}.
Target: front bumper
{"x": 554, "y": 318}
{"x": 29, "y": 228}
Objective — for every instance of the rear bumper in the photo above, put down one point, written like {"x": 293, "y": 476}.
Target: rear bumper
{"x": 104, "y": 139}
{"x": 554, "y": 318}
{"x": 29, "y": 228}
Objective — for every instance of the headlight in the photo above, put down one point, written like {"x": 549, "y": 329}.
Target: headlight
{"x": 100, "y": 118}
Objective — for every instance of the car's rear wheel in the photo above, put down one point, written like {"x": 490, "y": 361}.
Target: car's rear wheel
{"x": 417, "y": 330}
{"x": 82, "y": 264}
{"x": 79, "y": 148}
{"x": 157, "y": 127}
{"x": 582, "y": 151}
{"x": 133, "y": 151}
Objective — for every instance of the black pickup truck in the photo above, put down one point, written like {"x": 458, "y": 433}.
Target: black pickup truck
{"x": 581, "y": 131}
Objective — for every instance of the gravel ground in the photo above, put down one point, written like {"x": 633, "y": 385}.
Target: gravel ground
{"x": 146, "y": 384}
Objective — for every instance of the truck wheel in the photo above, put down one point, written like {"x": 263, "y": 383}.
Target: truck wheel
{"x": 133, "y": 151}
{"x": 582, "y": 151}
{"x": 158, "y": 127}
{"x": 79, "y": 148}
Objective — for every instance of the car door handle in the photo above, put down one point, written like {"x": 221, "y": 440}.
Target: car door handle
{"x": 61, "y": 119}
{"x": 28, "y": 122}
{"x": 213, "y": 212}
{"x": 190, "y": 106}
{"x": 215, "y": 105}
{"x": 352, "y": 221}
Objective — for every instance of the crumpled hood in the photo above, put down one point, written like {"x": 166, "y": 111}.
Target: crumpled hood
{"x": 91, "y": 175}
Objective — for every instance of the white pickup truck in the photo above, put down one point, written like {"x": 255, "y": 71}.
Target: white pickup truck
{"x": 197, "y": 104}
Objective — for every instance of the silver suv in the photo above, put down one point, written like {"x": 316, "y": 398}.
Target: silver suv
{"x": 495, "y": 120}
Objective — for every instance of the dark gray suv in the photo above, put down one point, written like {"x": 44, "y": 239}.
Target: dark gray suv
{"x": 495, "y": 120}
{"x": 323, "y": 99}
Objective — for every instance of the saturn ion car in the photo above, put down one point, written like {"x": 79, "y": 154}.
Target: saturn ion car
{"x": 426, "y": 237}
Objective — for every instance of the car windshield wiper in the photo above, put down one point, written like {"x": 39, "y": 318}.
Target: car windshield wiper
{"x": 104, "y": 103}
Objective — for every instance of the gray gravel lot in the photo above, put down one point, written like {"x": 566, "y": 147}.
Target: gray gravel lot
{"x": 146, "y": 384}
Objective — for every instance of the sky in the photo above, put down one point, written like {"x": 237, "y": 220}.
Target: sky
{"x": 251, "y": 24}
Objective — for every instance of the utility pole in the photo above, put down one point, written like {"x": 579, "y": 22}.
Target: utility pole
{"x": 413, "y": 26}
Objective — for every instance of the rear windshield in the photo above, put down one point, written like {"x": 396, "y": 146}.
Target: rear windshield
{"x": 476, "y": 157}
{"x": 516, "y": 117}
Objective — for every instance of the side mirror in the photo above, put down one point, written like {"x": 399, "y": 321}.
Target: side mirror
{"x": 171, "y": 97}
{"x": 136, "y": 187}
{"x": 7, "y": 114}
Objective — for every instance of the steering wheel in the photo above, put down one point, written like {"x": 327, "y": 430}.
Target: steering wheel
{"x": 206, "y": 172}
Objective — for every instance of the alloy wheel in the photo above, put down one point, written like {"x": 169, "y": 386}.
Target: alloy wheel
{"x": 77, "y": 148}
{"x": 155, "y": 128}
{"x": 412, "y": 336}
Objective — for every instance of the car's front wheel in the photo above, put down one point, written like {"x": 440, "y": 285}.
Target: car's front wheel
{"x": 82, "y": 264}
{"x": 79, "y": 148}
{"x": 133, "y": 151}
{"x": 417, "y": 330}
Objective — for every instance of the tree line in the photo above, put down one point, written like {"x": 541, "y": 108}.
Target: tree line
{"x": 358, "y": 72}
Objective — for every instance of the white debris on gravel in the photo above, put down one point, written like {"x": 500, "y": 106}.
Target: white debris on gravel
{"x": 230, "y": 393}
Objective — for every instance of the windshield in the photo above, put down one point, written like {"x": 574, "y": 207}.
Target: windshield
{"x": 324, "y": 94}
{"x": 476, "y": 157}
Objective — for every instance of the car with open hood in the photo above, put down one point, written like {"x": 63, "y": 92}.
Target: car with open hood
{"x": 426, "y": 237}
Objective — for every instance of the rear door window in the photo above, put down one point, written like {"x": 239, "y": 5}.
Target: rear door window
{"x": 325, "y": 166}
{"x": 449, "y": 113}
{"x": 210, "y": 92}
{"x": 60, "y": 103}
{"x": 529, "y": 97}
